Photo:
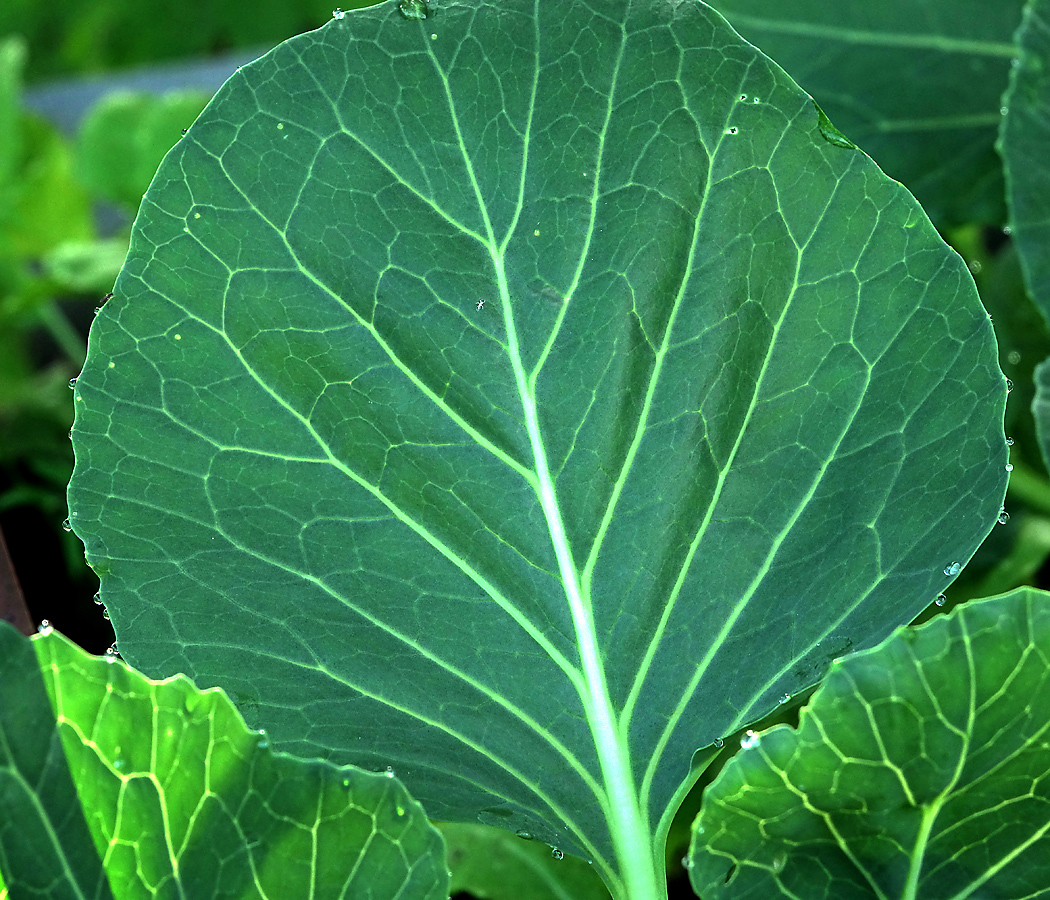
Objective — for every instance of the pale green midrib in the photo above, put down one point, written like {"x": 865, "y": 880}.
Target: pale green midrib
{"x": 414, "y": 645}
{"x": 941, "y": 43}
{"x": 932, "y": 810}
{"x": 627, "y": 821}
{"x": 742, "y": 603}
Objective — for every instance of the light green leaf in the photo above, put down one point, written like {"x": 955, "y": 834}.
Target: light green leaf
{"x": 1025, "y": 148}
{"x": 523, "y": 398}
{"x": 917, "y": 770}
{"x": 154, "y": 789}
{"x": 917, "y": 83}
{"x": 493, "y": 864}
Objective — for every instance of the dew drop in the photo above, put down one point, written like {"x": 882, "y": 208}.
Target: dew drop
{"x": 337, "y": 13}
{"x": 97, "y": 598}
{"x": 105, "y": 614}
{"x": 524, "y": 835}
{"x": 119, "y": 764}
{"x": 941, "y": 600}
{"x": 111, "y": 651}
{"x": 413, "y": 9}
{"x": 1009, "y": 442}
{"x": 263, "y": 742}
{"x": 72, "y": 383}
{"x": 44, "y": 627}
{"x": 389, "y": 771}
{"x": 755, "y": 100}
{"x": 1009, "y": 385}
{"x": 557, "y": 854}
{"x": 66, "y": 526}
{"x": 687, "y": 862}
{"x": 1009, "y": 467}
{"x": 1004, "y": 517}
{"x": 719, "y": 743}
{"x": 779, "y": 861}
{"x": 1002, "y": 111}
{"x": 784, "y": 698}
{"x": 732, "y": 130}
{"x": 749, "y": 740}
{"x": 953, "y": 570}
{"x": 743, "y": 96}
{"x": 1007, "y": 230}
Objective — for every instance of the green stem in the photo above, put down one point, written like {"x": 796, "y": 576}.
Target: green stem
{"x": 64, "y": 334}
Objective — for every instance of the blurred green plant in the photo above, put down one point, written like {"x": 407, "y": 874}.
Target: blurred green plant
{"x": 55, "y": 264}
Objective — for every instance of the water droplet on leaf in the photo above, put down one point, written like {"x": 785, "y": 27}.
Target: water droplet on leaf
{"x": 1004, "y": 517}
{"x": 941, "y": 599}
{"x": 953, "y": 570}
{"x": 66, "y": 526}
{"x": 784, "y": 698}
{"x": 687, "y": 862}
{"x": 524, "y": 835}
{"x": 749, "y": 740}
{"x": 1009, "y": 467}
{"x": 72, "y": 383}
{"x": 732, "y": 130}
{"x": 337, "y": 13}
{"x": 97, "y": 598}
{"x": 44, "y": 627}
{"x": 1009, "y": 385}
{"x": 557, "y": 854}
{"x": 413, "y": 9}
{"x": 1009, "y": 442}
{"x": 719, "y": 743}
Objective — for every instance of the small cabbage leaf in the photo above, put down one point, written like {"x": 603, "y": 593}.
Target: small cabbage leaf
{"x": 918, "y": 770}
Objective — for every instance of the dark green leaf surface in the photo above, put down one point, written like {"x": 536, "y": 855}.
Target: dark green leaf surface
{"x": 523, "y": 397}
{"x": 493, "y": 864}
{"x": 1026, "y": 149}
{"x": 180, "y": 798}
{"x": 917, "y": 83}
{"x": 918, "y": 770}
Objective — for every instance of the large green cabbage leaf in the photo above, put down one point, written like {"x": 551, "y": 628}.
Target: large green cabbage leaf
{"x": 525, "y": 395}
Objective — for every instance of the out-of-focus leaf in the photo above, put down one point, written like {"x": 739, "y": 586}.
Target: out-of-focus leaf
{"x": 125, "y": 136}
{"x": 86, "y": 267}
{"x": 919, "y": 769}
{"x": 12, "y": 59}
{"x": 1025, "y": 146}
{"x": 50, "y": 205}
{"x": 180, "y": 798}
{"x": 916, "y": 83}
{"x": 480, "y": 386}
{"x": 493, "y": 864}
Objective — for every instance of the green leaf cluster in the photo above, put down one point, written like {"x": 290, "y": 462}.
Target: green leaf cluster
{"x": 534, "y": 399}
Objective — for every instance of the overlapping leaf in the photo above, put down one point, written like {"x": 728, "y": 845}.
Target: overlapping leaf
{"x": 115, "y": 786}
{"x": 523, "y": 395}
{"x": 918, "y": 770}
{"x": 917, "y": 83}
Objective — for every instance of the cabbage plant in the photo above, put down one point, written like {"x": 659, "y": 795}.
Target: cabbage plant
{"x": 521, "y": 398}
